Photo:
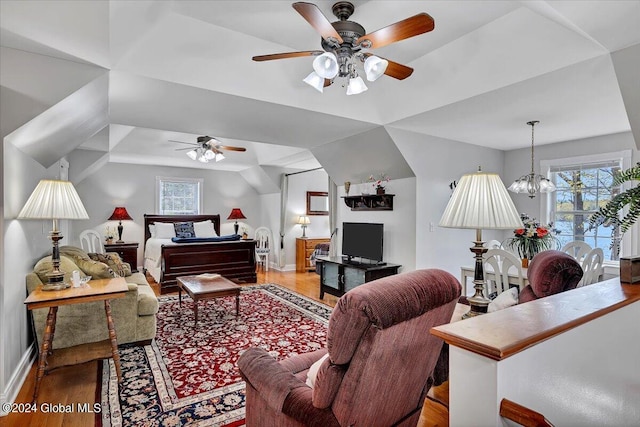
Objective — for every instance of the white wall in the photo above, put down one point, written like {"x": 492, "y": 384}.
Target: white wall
{"x": 437, "y": 162}
{"x": 399, "y": 245}
{"x": 586, "y": 376}
{"x": 134, "y": 186}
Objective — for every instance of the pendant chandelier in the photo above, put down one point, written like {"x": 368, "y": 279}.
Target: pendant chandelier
{"x": 532, "y": 183}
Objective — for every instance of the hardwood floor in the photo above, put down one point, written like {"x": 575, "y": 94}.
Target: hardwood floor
{"x": 78, "y": 384}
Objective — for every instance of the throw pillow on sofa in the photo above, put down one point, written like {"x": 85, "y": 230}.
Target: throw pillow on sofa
{"x": 45, "y": 265}
{"x": 114, "y": 261}
{"x": 95, "y": 269}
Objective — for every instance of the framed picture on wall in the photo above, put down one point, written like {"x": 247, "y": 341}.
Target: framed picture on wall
{"x": 317, "y": 203}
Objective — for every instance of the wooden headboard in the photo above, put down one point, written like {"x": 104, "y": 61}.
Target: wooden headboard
{"x": 150, "y": 219}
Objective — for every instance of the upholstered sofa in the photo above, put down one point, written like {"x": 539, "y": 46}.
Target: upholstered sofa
{"x": 134, "y": 315}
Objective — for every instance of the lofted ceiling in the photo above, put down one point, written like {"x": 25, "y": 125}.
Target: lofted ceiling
{"x": 179, "y": 69}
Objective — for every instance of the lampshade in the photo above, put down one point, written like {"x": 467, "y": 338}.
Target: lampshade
{"x": 375, "y": 67}
{"x": 356, "y": 86}
{"x": 315, "y": 81}
{"x": 236, "y": 213}
{"x": 54, "y": 199}
{"x": 120, "y": 214}
{"x": 303, "y": 220}
{"x": 481, "y": 201}
{"x": 193, "y": 154}
{"x": 219, "y": 157}
{"x": 326, "y": 65}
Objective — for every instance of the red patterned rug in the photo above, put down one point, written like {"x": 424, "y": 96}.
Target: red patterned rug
{"x": 189, "y": 376}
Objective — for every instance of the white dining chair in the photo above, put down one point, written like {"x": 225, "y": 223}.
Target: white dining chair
{"x": 264, "y": 242}
{"x": 91, "y": 242}
{"x": 498, "y": 264}
{"x": 577, "y": 249}
{"x": 592, "y": 266}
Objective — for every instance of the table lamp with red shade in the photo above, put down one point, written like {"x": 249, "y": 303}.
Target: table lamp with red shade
{"x": 236, "y": 214}
{"x": 119, "y": 214}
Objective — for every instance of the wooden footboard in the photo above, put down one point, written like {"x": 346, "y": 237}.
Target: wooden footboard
{"x": 234, "y": 260}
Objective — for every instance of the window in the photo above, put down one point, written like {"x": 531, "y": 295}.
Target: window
{"x": 179, "y": 196}
{"x": 583, "y": 185}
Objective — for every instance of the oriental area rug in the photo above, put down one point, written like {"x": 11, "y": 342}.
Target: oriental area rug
{"x": 189, "y": 376}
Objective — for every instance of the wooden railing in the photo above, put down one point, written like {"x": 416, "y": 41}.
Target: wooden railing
{"x": 522, "y": 415}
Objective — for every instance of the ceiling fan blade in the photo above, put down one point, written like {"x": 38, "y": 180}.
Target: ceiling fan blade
{"x": 417, "y": 24}
{"x": 182, "y": 142}
{"x": 394, "y": 69}
{"x": 316, "y": 18}
{"x": 231, "y": 148}
{"x": 327, "y": 82}
{"x": 184, "y": 149}
{"x": 287, "y": 55}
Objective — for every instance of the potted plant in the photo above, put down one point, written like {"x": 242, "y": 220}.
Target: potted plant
{"x": 608, "y": 215}
{"x": 531, "y": 239}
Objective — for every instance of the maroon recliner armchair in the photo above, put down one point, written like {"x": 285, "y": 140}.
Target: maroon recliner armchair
{"x": 550, "y": 272}
{"x": 380, "y": 359}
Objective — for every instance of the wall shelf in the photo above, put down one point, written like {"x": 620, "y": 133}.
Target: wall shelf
{"x": 370, "y": 202}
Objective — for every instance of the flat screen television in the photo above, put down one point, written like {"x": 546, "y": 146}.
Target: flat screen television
{"x": 363, "y": 240}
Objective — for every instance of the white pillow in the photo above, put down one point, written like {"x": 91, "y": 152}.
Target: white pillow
{"x": 204, "y": 229}
{"x": 165, "y": 230}
{"x": 313, "y": 371}
{"x": 504, "y": 300}
{"x": 152, "y": 230}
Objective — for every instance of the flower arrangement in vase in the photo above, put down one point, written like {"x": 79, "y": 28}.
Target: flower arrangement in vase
{"x": 531, "y": 239}
{"x": 379, "y": 182}
{"x": 109, "y": 234}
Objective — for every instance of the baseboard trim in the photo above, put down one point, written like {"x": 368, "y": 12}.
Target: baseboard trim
{"x": 18, "y": 377}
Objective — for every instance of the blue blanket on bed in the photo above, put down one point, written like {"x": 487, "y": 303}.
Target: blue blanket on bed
{"x": 226, "y": 238}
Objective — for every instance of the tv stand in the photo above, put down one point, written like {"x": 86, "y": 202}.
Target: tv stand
{"x": 339, "y": 275}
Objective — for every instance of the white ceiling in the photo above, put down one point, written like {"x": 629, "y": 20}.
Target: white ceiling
{"x": 180, "y": 69}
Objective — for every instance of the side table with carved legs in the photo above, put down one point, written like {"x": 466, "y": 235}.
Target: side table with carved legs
{"x": 95, "y": 290}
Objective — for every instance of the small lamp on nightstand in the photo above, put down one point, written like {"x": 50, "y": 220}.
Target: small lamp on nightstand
{"x": 236, "y": 214}
{"x": 304, "y": 221}
{"x": 119, "y": 214}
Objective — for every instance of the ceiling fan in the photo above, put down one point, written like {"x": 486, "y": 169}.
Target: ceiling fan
{"x": 206, "y": 149}
{"x": 344, "y": 43}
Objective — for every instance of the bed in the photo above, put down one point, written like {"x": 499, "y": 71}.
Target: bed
{"x": 166, "y": 260}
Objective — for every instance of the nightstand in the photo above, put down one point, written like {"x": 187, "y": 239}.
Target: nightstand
{"x": 127, "y": 251}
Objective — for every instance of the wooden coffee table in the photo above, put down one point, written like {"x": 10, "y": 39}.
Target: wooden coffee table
{"x": 202, "y": 287}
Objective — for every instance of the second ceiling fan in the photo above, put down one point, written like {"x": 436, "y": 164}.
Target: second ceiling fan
{"x": 206, "y": 149}
{"x": 344, "y": 43}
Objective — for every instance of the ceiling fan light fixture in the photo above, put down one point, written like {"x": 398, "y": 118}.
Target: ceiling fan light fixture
{"x": 356, "y": 86}
{"x": 209, "y": 155}
{"x": 326, "y": 65}
{"x": 219, "y": 156}
{"x": 193, "y": 154}
{"x": 315, "y": 81}
{"x": 375, "y": 67}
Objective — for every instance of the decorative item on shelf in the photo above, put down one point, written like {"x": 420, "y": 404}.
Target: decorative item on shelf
{"x": 480, "y": 201}
{"x": 531, "y": 239}
{"x": 120, "y": 214}
{"x": 304, "y": 221}
{"x": 236, "y": 214}
{"x": 55, "y": 200}
{"x": 532, "y": 183}
{"x": 608, "y": 215}
{"x": 379, "y": 182}
{"x": 245, "y": 233}
{"x": 347, "y": 187}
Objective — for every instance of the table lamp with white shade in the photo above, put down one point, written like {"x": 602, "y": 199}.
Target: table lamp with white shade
{"x": 54, "y": 199}
{"x": 480, "y": 201}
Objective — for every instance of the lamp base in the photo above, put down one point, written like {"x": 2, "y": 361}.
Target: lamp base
{"x": 478, "y": 306}
{"x": 478, "y": 302}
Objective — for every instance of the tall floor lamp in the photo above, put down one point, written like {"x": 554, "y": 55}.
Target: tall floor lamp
{"x": 54, "y": 199}
{"x": 480, "y": 201}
